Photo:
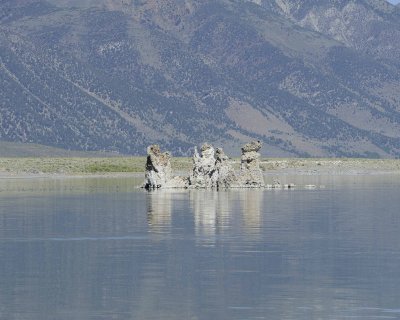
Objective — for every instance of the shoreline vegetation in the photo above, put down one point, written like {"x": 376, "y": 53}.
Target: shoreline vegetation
{"x": 39, "y": 167}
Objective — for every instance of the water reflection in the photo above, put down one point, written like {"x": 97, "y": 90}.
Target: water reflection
{"x": 240, "y": 254}
{"x": 252, "y": 208}
{"x": 68, "y": 185}
{"x": 204, "y": 207}
{"x": 211, "y": 212}
{"x": 159, "y": 209}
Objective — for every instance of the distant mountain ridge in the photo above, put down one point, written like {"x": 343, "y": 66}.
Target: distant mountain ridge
{"x": 369, "y": 26}
{"x": 118, "y": 75}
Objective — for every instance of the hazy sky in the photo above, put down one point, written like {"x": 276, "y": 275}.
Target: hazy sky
{"x": 394, "y": 1}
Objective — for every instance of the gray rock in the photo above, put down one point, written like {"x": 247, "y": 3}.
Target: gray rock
{"x": 159, "y": 172}
{"x": 204, "y": 166}
{"x": 177, "y": 182}
{"x": 253, "y": 146}
{"x": 158, "y": 168}
{"x": 224, "y": 174}
{"x": 250, "y": 175}
{"x": 211, "y": 169}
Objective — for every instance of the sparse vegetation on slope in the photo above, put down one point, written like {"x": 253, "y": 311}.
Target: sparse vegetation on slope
{"x": 118, "y": 76}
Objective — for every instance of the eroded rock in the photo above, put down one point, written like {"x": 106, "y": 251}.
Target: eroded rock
{"x": 203, "y": 174}
{"x": 224, "y": 175}
{"x": 211, "y": 169}
{"x": 251, "y": 175}
{"x": 158, "y": 168}
{"x": 159, "y": 172}
{"x": 178, "y": 182}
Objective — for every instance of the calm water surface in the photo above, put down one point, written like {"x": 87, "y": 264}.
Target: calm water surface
{"x": 102, "y": 249}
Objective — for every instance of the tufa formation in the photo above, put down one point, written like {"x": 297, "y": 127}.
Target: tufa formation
{"x": 212, "y": 169}
{"x": 250, "y": 173}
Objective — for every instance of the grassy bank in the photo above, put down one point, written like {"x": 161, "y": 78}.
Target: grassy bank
{"x": 75, "y": 166}
{"x": 82, "y": 165}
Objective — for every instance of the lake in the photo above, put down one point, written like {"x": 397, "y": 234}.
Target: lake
{"x": 99, "y": 248}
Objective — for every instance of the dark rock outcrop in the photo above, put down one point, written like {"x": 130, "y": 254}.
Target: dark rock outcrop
{"x": 159, "y": 172}
{"x": 158, "y": 168}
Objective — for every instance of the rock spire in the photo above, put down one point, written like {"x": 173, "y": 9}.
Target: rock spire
{"x": 212, "y": 168}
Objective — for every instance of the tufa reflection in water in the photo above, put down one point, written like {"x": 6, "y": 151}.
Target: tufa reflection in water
{"x": 241, "y": 254}
{"x": 210, "y": 212}
{"x": 252, "y": 208}
{"x": 159, "y": 209}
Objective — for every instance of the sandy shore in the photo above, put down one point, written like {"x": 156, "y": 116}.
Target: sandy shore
{"x": 331, "y": 166}
{"x": 134, "y": 166}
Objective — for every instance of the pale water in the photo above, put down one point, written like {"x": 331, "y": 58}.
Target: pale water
{"x": 102, "y": 249}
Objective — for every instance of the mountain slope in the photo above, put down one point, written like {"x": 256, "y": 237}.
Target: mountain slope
{"x": 369, "y": 26}
{"x": 118, "y": 75}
